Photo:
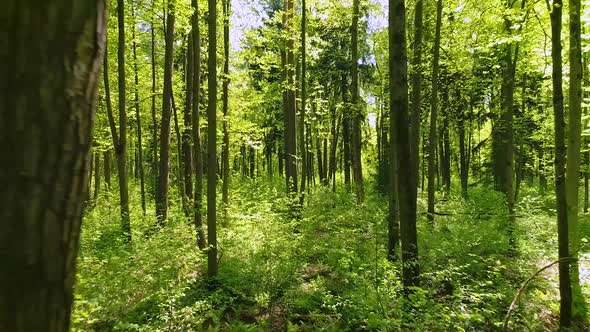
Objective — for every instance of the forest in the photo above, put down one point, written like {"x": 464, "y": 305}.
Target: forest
{"x": 283, "y": 165}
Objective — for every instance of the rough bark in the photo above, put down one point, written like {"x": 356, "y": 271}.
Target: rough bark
{"x": 50, "y": 90}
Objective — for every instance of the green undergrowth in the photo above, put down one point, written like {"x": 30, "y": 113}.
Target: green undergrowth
{"x": 323, "y": 271}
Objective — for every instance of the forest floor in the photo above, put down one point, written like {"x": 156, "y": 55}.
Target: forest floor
{"x": 325, "y": 271}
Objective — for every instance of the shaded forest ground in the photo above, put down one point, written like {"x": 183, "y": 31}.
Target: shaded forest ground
{"x": 326, "y": 271}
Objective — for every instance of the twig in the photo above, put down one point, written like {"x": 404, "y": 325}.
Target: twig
{"x": 523, "y": 286}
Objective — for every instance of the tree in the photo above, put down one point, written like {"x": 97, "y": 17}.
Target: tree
{"x": 138, "y": 116}
{"x": 187, "y": 141}
{"x": 48, "y": 140}
{"x": 225, "y": 152}
{"x": 196, "y": 129}
{"x": 565, "y": 290}
{"x": 417, "y": 87}
{"x": 302, "y": 140}
{"x": 574, "y": 155}
{"x": 164, "y": 167}
{"x": 289, "y": 102}
{"x": 357, "y": 116}
{"x": 212, "y": 143}
{"x": 398, "y": 90}
{"x": 122, "y": 175}
{"x": 432, "y": 139}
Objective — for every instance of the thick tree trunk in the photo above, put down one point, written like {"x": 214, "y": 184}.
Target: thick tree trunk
{"x": 560, "y": 156}
{"x": 357, "y": 114}
{"x": 400, "y": 133}
{"x": 212, "y": 143}
{"x": 48, "y": 139}
{"x": 164, "y": 163}
{"x": 433, "y": 113}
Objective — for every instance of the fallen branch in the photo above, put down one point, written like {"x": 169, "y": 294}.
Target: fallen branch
{"x": 523, "y": 286}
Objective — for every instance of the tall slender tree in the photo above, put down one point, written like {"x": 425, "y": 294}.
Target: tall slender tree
{"x": 122, "y": 143}
{"x": 164, "y": 167}
{"x": 48, "y": 139}
{"x": 416, "y": 87}
{"x": 302, "y": 140}
{"x": 212, "y": 143}
{"x": 138, "y": 115}
{"x": 290, "y": 107}
{"x": 225, "y": 152}
{"x": 196, "y": 129}
{"x": 400, "y": 154}
{"x": 187, "y": 141}
{"x": 432, "y": 139}
{"x": 565, "y": 290}
{"x": 357, "y": 114}
{"x": 574, "y": 156}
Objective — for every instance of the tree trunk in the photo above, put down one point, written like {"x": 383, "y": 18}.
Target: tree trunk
{"x": 290, "y": 109}
{"x": 433, "y": 113}
{"x": 122, "y": 144}
{"x": 225, "y": 153}
{"x": 400, "y": 133}
{"x": 107, "y": 169}
{"x": 196, "y": 129}
{"x": 357, "y": 114}
{"x": 560, "y": 156}
{"x": 179, "y": 161}
{"x": 154, "y": 120}
{"x": 45, "y": 177}
{"x": 212, "y": 143}
{"x": 96, "y": 175}
{"x": 463, "y": 151}
{"x": 573, "y": 157}
{"x": 138, "y": 116}
{"x": 346, "y": 133}
{"x": 416, "y": 88}
{"x": 187, "y": 142}
{"x": 303, "y": 101}
{"x": 164, "y": 164}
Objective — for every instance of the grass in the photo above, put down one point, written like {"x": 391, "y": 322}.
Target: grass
{"x": 326, "y": 271}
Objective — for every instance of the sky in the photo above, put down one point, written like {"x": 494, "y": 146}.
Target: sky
{"x": 245, "y": 16}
